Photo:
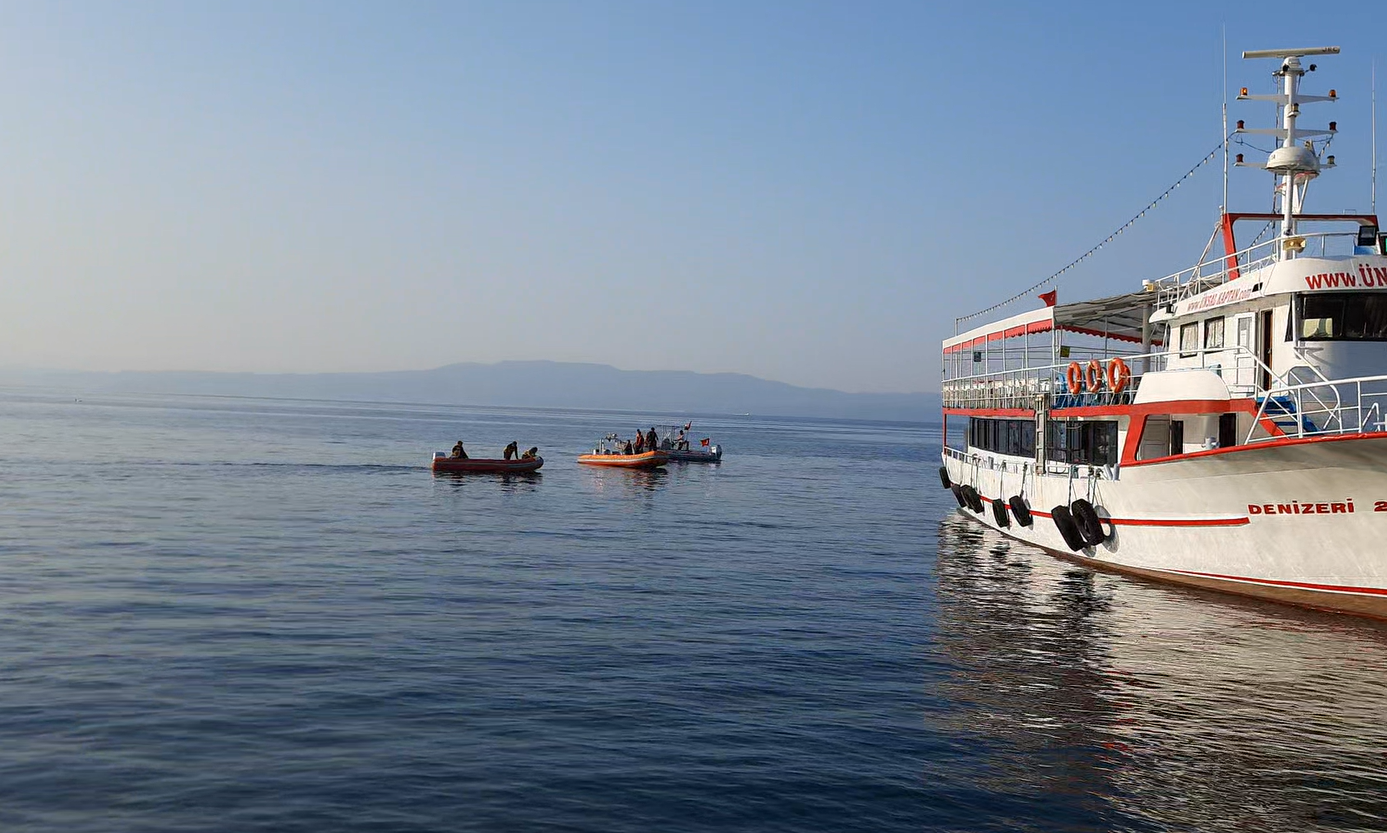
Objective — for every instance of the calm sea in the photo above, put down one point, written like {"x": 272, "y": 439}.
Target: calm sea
{"x": 249, "y": 615}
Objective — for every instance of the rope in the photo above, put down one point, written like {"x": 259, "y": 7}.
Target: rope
{"x": 1106, "y": 240}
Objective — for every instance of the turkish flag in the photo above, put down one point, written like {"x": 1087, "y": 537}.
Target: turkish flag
{"x": 703, "y": 442}
{"x": 1049, "y": 297}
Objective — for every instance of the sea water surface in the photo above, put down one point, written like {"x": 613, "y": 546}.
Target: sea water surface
{"x": 250, "y": 615}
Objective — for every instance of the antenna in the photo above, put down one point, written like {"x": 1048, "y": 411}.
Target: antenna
{"x": 1374, "y": 194}
{"x": 1224, "y": 32}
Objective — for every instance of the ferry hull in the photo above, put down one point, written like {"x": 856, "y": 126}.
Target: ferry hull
{"x": 1301, "y": 522}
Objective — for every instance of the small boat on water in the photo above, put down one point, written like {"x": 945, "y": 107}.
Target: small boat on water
{"x": 617, "y": 453}
{"x": 675, "y": 440}
{"x": 615, "y": 459}
{"x": 470, "y": 465}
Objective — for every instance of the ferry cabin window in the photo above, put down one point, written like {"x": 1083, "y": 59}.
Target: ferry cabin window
{"x": 1189, "y": 340}
{"x": 1003, "y": 436}
{"x": 1213, "y": 334}
{"x": 1343, "y": 316}
{"x": 1090, "y": 443}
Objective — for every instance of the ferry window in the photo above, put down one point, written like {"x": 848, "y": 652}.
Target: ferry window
{"x": 1003, "y": 436}
{"x": 1213, "y": 334}
{"x": 1092, "y": 443}
{"x": 1189, "y": 340}
{"x": 1343, "y": 316}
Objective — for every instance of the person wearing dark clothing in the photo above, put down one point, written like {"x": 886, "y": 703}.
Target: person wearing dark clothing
{"x": 458, "y": 452}
{"x": 626, "y": 449}
{"x": 511, "y": 450}
{"x": 651, "y": 442}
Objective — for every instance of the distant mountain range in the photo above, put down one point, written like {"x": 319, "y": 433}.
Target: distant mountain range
{"x": 536, "y": 384}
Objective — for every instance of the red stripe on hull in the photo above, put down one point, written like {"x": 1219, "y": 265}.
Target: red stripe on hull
{"x": 1326, "y": 588}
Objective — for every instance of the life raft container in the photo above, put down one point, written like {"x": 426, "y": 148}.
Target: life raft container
{"x": 1089, "y": 524}
{"x": 999, "y": 513}
{"x": 1069, "y": 530}
{"x": 1021, "y": 510}
{"x": 974, "y": 501}
{"x": 944, "y": 477}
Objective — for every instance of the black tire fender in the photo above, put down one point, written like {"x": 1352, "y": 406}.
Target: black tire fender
{"x": 1090, "y": 525}
{"x": 1069, "y": 530}
{"x": 958, "y": 495}
{"x": 999, "y": 513}
{"x": 944, "y": 476}
{"x": 1021, "y": 510}
{"x": 971, "y": 496}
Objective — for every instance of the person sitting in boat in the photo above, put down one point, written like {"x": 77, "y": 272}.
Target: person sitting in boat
{"x": 531, "y": 454}
{"x": 627, "y": 449}
{"x": 511, "y": 450}
{"x": 458, "y": 452}
{"x": 680, "y": 443}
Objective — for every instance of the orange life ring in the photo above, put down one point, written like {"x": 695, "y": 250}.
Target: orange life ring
{"x": 1093, "y": 376}
{"x": 1119, "y": 374}
{"x": 1074, "y": 376}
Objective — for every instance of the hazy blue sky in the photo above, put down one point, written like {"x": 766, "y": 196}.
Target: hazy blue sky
{"x": 807, "y": 192}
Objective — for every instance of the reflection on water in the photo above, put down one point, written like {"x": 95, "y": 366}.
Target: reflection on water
{"x": 619, "y": 482}
{"x": 507, "y": 482}
{"x": 1161, "y": 708}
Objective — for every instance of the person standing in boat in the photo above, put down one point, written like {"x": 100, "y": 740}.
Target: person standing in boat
{"x": 511, "y": 450}
{"x": 639, "y": 444}
{"x": 651, "y": 441}
{"x": 458, "y": 452}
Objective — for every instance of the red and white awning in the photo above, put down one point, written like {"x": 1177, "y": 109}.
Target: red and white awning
{"x": 1118, "y": 317}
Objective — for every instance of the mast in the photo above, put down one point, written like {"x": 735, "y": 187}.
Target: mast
{"x": 1292, "y": 162}
{"x": 1224, "y": 33}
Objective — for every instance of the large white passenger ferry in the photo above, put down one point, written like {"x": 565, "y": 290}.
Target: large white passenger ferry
{"x": 1224, "y": 427}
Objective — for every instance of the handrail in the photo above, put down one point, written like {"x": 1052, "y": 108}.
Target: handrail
{"x": 1338, "y": 418}
{"x": 1214, "y": 271}
{"x": 1018, "y": 387}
